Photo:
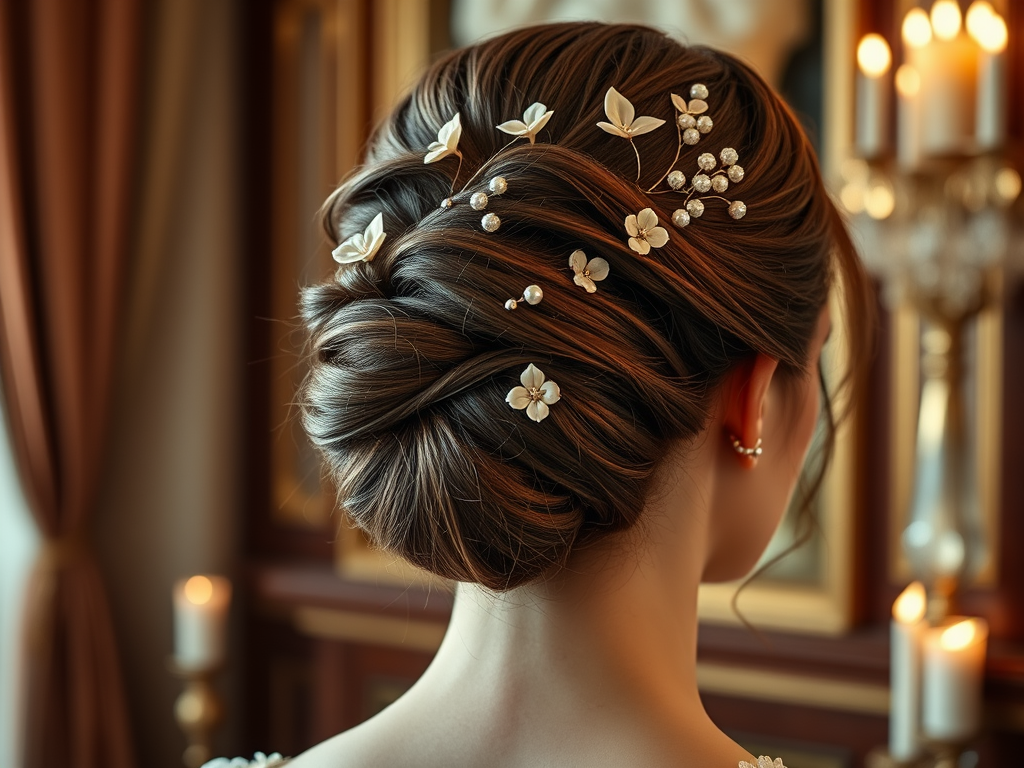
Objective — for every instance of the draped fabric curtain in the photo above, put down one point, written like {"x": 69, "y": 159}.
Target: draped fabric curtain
{"x": 69, "y": 76}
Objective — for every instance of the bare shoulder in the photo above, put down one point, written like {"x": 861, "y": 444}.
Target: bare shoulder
{"x": 390, "y": 738}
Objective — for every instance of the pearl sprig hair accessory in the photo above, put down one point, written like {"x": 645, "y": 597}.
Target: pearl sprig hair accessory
{"x": 643, "y": 229}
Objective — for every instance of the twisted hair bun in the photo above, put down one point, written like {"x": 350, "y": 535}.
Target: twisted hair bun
{"x": 413, "y": 352}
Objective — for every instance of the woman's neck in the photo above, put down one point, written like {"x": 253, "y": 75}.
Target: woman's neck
{"x": 608, "y": 644}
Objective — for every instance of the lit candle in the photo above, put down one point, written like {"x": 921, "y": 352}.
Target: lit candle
{"x": 948, "y": 66}
{"x": 954, "y": 669}
{"x": 989, "y": 31}
{"x": 200, "y": 621}
{"x": 907, "y": 632}
{"x": 908, "y": 117}
{"x": 873, "y": 59}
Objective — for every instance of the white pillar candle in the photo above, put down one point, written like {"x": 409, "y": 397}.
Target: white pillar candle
{"x": 906, "y": 636}
{"x": 911, "y": 82}
{"x": 954, "y": 670}
{"x": 948, "y": 66}
{"x": 989, "y": 31}
{"x": 874, "y": 60}
{"x": 908, "y": 117}
{"x": 200, "y": 621}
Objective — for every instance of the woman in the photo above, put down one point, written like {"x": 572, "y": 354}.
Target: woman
{"x": 569, "y": 361}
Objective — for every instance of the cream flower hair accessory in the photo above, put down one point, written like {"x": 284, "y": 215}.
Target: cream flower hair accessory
{"x": 535, "y": 395}
{"x": 447, "y": 141}
{"x": 644, "y": 232}
{"x": 535, "y": 118}
{"x": 623, "y": 123}
{"x": 587, "y": 273}
{"x": 362, "y": 246}
{"x": 621, "y": 114}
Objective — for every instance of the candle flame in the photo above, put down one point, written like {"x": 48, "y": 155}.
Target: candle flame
{"x": 977, "y": 17}
{"x": 988, "y": 29}
{"x": 909, "y": 606}
{"x": 946, "y": 19}
{"x": 873, "y": 55}
{"x": 879, "y": 201}
{"x": 198, "y": 590}
{"x": 958, "y": 636}
{"x": 908, "y": 81}
{"x": 1008, "y": 185}
{"x": 917, "y": 30}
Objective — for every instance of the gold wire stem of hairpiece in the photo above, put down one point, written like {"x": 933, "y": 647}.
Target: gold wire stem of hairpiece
{"x": 637, "y": 153}
{"x": 485, "y": 164}
{"x": 458, "y": 170}
{"x": 679, "y": 151}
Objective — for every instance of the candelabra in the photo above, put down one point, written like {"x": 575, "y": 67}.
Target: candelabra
{"x": 199, "y": 711}
{"x": 937, "y": 238}
{"x": 933, "y": 223}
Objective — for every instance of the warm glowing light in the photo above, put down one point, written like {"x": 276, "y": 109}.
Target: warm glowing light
{"x": 873, "y": 55}
{"x": 198, "y": 590}
{"x": 917, "y": 30}
{"x": 1008, "y": 184}
{"x": 978, "y": 15}
{"x": 959, "y": 636}
{"x": 946, "y": 19}
{"x": 908, "y": 81}
{"x": 909, "y": 606}
{"x": 993, "y": 34}
{"x": 879, "y": 201}
{"x": 852, "y": 198}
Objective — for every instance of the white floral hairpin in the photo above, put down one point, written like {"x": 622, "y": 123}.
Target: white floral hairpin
{"x": 447, "y": 143}
{"x": 644, "y": 232}
{"x": 362, "y": 246}
{"x": 535, "y": 118}
{"x": 587, "y": 273}
{"x": 535, "y": 394}
{"x": 623, "y": 123}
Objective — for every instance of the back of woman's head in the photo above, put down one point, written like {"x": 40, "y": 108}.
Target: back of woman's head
{"x": 414, "y": 352}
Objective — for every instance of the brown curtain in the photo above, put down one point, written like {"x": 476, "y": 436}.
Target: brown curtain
{"x": 68, "y": 113}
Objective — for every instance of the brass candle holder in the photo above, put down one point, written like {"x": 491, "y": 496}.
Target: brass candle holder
{"x": 199, "y": 711}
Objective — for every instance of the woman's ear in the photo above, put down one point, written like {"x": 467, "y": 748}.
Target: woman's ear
{"x": 744, "y": 393}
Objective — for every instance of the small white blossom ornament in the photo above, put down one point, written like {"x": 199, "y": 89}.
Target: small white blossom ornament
{"x": 587, "y": 273}
{"x": 763, "y": 762}
{"x": 362, "y": 246}
{"x": 535, "y": 118}
{"x": 259, "y": 760}
{"x": 621, "y": 114}
{"x": 447, "y": 141}
{"x": 644, "y": 232}
{"x": 535, "y": 395}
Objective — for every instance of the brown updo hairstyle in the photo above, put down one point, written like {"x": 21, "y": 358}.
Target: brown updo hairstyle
{"x": 412, "y": 353}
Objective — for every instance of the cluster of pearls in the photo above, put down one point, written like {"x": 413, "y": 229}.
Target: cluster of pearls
{"x": 711, "y": 178}
{"x": 691, "y": 120}
{"x": 478, "y": 202}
